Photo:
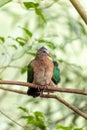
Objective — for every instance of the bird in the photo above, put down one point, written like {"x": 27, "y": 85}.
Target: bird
{"x": 42, "y": 71}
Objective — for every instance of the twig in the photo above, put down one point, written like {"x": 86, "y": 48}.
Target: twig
{"x": 47, "y": 6}
{"x": 13, "y": 90}
{"x": 64, "y": 117}
{"x": 13, "y": 120}
{"x": 66, "y": 104}
{"x": 56, "y": 89}
{"x": 80, "y": 9}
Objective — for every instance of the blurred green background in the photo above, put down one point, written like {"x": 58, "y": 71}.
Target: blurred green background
{"x": 25, "y": 26}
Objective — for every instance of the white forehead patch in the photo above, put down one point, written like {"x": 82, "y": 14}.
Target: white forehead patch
{"x": 45, "y": 50}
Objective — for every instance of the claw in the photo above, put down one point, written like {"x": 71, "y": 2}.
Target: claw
{"x": 44, "y": 87}
{"x": 41, "y": 88}
{"x": 38, "y": 87}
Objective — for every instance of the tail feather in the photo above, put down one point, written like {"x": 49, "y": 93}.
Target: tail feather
{"x": 33, "y": 92}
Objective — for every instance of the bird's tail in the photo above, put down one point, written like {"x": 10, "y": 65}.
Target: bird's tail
{"x": 33, "y": 92}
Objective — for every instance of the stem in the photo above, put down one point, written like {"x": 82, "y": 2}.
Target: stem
{"x": 13, "y": 90}
{"x": 13, "y": 120}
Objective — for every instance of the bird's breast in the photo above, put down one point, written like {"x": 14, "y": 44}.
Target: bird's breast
{"x": 43, "y": 71}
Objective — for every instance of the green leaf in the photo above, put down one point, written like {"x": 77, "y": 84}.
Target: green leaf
{"x": 21, "y": 41}
{"x": 31, "y": 53}
{"x": 37, "y": 119}
{"x": 59, "y": 127}
{"x": 38, "y": 12}
{"x": 24, "y": 69}
{"x": 41, "y": 124}
{"x": 49, "y": 43}
{"x": 27, "y": 31}
{"x": 24, "y": 117}
{"x": 29, "y": 5}
{"x": 61, "y": 61}
{"x": 14, "y": 46}
{"x": 38, "y": 114}
{"x": 2, "y": 39}
{"x": 40, "y": 120}
{"x": 78, "y": 129}
{"x": 31, "y": 120}
{"x": 23, "y": 109}
{"x": 4, "y": 2}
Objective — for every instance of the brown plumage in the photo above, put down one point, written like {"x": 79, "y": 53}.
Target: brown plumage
{"x": 42, "y": 69}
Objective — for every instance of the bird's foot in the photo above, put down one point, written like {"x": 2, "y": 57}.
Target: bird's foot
{"x": 42, "y": 90}
{"x": 41, "y": 87}
{"x": 38, "y": 87}
{"x": 44, "y": 87}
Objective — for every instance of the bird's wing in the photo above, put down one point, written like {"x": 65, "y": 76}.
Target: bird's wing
{"x": 30, "y": 73}
{"x": 56, "y": 73}
{"x": 30, "y": 76}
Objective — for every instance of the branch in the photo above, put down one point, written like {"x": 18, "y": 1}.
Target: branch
{"x": 49, "y": 96}
{"x": 56, "y": 89}
{"x": 80, "y": 9}
{"x": 66, "y": 116}
{"x": 66, "y": 104}
{"x": 13, "y": 90}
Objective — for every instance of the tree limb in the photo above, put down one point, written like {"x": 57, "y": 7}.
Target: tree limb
{"x": 66, "y": 104}
{"x": 13, "y": 90}
{"x": 80, "y": 9}
{"x": 51, "y": 96}
{"x": 50, "y": 89}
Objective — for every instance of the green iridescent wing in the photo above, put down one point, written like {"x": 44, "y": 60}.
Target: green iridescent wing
{"x": 30, "y": 76}
{"x": 56, "y": 73}
{"x": 30, "y": 73}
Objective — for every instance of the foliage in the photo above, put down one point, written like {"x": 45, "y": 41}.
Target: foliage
{"x": 25, "y": 26}
{"x": 59, "y": 127}
{"x": 37, "y": 119}
{"x": 30, "y": 5}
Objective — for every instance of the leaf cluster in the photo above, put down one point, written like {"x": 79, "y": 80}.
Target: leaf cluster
{"x": 37, "y": 119}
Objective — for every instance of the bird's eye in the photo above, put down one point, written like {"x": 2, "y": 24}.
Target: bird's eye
{"x": 44, "y": 52}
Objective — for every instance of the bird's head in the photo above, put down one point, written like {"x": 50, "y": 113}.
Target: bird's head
{"x": 43, "y": 52}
